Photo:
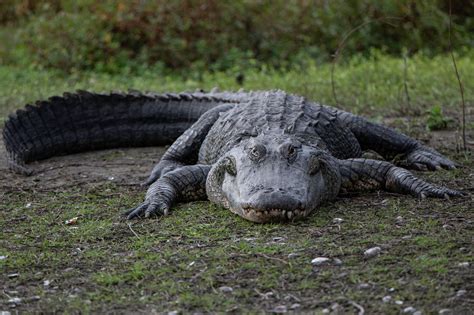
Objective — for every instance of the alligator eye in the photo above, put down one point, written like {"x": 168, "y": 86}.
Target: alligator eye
{"x": 229, "y": 166}
{"x": 314, "y": 165}
{"x": 256, "y": 152}
{"x": 289, "y": 151}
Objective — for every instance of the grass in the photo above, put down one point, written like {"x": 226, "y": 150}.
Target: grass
{"x": 181, "y": 262}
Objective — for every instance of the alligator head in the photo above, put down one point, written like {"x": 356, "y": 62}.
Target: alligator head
{"x": 268, "y": 178}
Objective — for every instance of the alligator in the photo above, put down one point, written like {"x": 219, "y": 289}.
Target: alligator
{"x": 265, "y": 155}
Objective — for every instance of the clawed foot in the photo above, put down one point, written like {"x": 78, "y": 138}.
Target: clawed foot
{"x": 425, "y": 158}
{"x": 401, "y": 180}
{"x": 147, "y": 209}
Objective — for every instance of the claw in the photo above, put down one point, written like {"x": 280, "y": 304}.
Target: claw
{"x": 446, "y": 196}
{"x": 136, "y": 212}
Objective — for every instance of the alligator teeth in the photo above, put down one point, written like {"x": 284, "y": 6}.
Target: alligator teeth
{"x": 290, "y": 214}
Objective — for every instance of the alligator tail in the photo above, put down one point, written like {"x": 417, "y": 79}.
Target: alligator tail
{"x": 84, "y": 121}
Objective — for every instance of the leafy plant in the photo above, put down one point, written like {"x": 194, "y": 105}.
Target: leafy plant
{"x": 436, "y": 119}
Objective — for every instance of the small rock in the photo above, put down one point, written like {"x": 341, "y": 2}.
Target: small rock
{"x": 363, "y": 286}
{"x": 337, "y": 220}
{"x": 3, "y": 257}
{"x": 14, "y": 300}
{"x": 325, "y": 311}
{"x": 46, "y": 283}
{"x": 409, "y": 310}
{"x": 418, "y": 313}
{"x": 71, "y": 221}
{"x": 295, "y": 306}
{"x": 463, "y": 264}
{"x": 172, "y": 313}
{"x": 336, "y": 307}
{"x": 293, "y": 255}
{"x": 461, "y": 293}
{"x": 337, "y": 261}
{"x": 447, "y": 226}
{"x": 406, "y": 237}
{"x": 445, "y": 311}
{"x": 391, "y": 290}
{"x": 386, "y": 298}
{"x": 318, "y": 261}
{"x": 278, "y": 239}
{"x": 111, "y": 178}
{"x": 372, "y": 252}
{"x": 13, "y": 275}
{"x": 5, "y": 313}
{"x": 399, "y": 219}
{"x": 225, "y": 289}
{"x": 280, "y": 309}
{"x": 33, "y": 298}
{"x": 463, "y": 249}
{"x": 249, "y": 239}
{"x": 398, "y": 302}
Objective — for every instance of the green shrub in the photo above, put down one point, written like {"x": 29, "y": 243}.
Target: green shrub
{"x": 220, "y": 35}
{"x": 436, "y": 120}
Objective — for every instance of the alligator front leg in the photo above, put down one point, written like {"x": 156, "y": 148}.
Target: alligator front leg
{"x": 187, "y": 183}
{"x": 360, "y": 174}
{"x": 391, "y": 143}
{"x": 184, "y": 151}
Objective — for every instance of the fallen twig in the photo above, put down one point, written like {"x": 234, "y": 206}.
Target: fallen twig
{"x": 134, "y": 233}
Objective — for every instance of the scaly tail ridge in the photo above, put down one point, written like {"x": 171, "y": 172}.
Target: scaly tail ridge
{"x": 83, "y": 121}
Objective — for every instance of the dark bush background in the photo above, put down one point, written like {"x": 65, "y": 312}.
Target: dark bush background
{"x": 211, "y": 35}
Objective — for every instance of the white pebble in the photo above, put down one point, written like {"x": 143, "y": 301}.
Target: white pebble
{"x": 464, "y": 264}
{"x": 337, "y": 261}
{"x": 398, "y": 302}
{"x": 417, "y": 313}
{"x": 318, "y": 261}
{"x": 14, "y": 300}
{"x": 337, "y": 220}
{"x": 46, "y": 283}
{"x": 409, "y": 309}
{"x": 295, "y": 306}
{"x": 293, "y": 255}
{"x": 445, "y": 311}
{"x": 461, "y": 293}
{"x": 372, "y": 252}
{"x": 280, "y": 309}
{"x": 225, "y": 289}
{"x": 3, "y": 257}
{"x": 387, "y": 299}
{"x": 363, "y": 286}
{"x": 13, "y": 275}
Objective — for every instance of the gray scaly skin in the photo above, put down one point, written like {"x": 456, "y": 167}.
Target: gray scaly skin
{"x": 266, "y": 156}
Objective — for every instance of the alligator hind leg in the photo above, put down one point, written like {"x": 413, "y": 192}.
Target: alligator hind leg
{"x": 361, "y": 174}
{"x": 184, "y": 151}
{"x": 187, "y": 183}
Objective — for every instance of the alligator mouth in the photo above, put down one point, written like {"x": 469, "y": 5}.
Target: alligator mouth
{"x": 273, "y": 214}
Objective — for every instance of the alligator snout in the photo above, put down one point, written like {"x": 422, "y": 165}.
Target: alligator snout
{"x": 270, "y": 205}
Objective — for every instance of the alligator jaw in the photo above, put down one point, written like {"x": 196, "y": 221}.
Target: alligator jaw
{"x": 272, "y": 215}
